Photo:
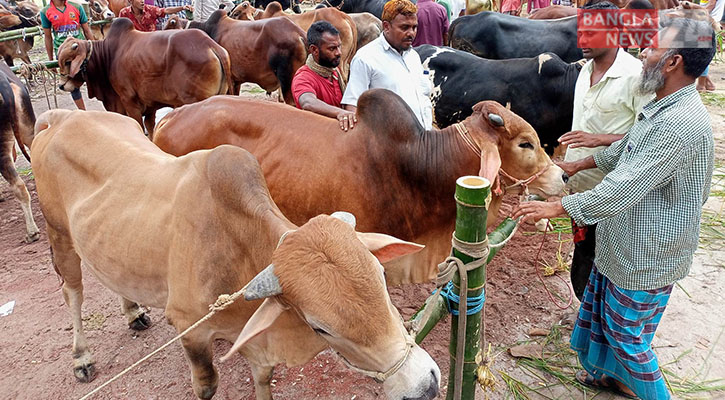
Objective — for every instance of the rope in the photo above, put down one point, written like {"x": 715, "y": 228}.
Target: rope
{"x": 222, "y": 302}
{"x": 38, "y": 74}
{"x": 474, "y": 304}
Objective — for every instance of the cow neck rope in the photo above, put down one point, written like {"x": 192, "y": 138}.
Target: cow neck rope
{"x": 221, "y": 303}
{"x": 463, "y": 132}
{"x": 382, "y": 376}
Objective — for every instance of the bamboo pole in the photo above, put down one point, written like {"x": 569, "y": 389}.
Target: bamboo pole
{"x": 47, "y": 64}
{"x": 472, "y": 199}
{"x": 36, "y": 31}
{"x": 440, "y": 309}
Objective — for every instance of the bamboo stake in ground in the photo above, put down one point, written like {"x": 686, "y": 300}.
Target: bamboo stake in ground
{"x": 472, "y": 198}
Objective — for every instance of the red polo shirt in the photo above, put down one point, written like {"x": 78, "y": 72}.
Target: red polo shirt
{"x": 308, "y": 81}
{"x": 148, "y": 18}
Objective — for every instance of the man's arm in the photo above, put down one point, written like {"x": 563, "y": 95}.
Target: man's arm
{"x": 174, "y": 10}
{"x": 358, "y": 82}
{"x": 48, "y": 39}
{"x": 575, "y": 139}
{"x": 309, "y": 102}
{"x": 87, "y": 31}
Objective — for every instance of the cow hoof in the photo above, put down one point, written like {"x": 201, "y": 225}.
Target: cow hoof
{"x": 142, "y": 322}
{"x": 85, "y": 373}
{"x": 33, "y": 237}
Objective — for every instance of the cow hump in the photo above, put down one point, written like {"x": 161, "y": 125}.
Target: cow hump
{"x": 386, "y": 113}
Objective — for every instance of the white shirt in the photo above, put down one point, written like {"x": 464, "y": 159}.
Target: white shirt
{"x": 379, "y": 65}
{"x": 457, "y": 6}
{"x": 610, "y": 106}
{"x": 717, "y": 11}
{"x": 204, "y": 8}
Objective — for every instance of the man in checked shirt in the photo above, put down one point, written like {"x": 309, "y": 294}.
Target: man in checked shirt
{"x": 648, "y": 208}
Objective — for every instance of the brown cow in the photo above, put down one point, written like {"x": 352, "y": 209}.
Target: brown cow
{"x": 136, "y": 73}
{"x": 369, "y": 27}
{"x": 204, "y": 225}
{"x": 16, "y": 124}
{"x": 117, "y": 5}
{"x": 398, "y": 178}
{"x": 553, "y": 12}
{"x": 338, "y": 19}
{"x": 267, "y": 52}
{"x": 25, "y": 14}
{"x": 245, "y": 12}
{"x": 100, "y": 12}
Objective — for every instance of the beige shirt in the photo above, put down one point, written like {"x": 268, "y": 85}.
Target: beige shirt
{"x": 611, "y": 107}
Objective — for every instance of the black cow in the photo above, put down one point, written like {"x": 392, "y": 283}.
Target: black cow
{"x": 374, "y": 7}
{"x": 539, "y": 89}
{"x": 294, "y": 5}
{"x": 16, "y": 124}
{"x": 499, "y": 36}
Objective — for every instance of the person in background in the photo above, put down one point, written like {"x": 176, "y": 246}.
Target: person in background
{"x": 715, "y": 8}
{"x": 60, "y": 20}
{"x": 317, "y": 85}
{"x": 648, "y": 209}
{"x": 204, "y": 8}
{"x": 144, "y": 16}
{"x": 390, "y": 62}
{"x": 606, "y": 105}
{"x": 170, "y": 3}
{"x": 432, "y": 24}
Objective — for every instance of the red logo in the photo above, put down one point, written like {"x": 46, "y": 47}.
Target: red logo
{"x": 598, "y": 29}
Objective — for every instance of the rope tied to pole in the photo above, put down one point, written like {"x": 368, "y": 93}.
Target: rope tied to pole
{"x": 39, "y": 74}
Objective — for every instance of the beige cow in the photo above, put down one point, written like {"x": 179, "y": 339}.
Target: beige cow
{"x": 175, "y": 233}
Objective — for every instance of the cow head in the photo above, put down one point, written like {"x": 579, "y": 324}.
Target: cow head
{"x": 244, "y": 12}
{"x": 29, "y": 12}
{"x": 506, "y": 139}
{"x": 7, "y": 18}
{"x": 325, "y": 273}
{"x": 73, "y": 56}
{"x": 175, "y": 22}
{"x": 100, "y": 11}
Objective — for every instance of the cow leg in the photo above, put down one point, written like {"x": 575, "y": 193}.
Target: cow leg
{"x": 68, "y": 265}
{"x": 7, "y": 169}
{"x": 204, "y": 377}
{"x": 262, "y": 377}
{"x": 149, "y": 122}
{"x": 9, "y": 60}
{"x": 237, "y": 88}
{"x": 137, "y": 318}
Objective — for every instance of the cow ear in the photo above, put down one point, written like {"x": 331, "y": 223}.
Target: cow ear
{"x": 386, "y": 247}
{"x": 75, "y": 65}
{"x": 490, "y": 163}
{"x": 262, "y": 319}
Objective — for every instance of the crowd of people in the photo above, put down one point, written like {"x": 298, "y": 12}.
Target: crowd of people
{"x": 639, "y": 160}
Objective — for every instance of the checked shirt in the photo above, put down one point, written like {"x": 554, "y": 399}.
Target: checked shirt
{"x": 649, "y": 204}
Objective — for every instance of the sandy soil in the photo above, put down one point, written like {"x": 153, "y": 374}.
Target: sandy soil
{"x": 35, "y": 339}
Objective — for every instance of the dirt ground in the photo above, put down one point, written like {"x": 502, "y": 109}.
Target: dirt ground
{"x": 35, "y": 339}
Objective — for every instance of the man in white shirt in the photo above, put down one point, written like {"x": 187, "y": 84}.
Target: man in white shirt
{"x": 204, "y": 8}
{"x": 606, "y": 105}
{"x": 389, "y": 62}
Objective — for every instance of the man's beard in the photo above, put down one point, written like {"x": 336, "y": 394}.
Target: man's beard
{"x": 328, "y": 63}
{"x": 652, "y": 79}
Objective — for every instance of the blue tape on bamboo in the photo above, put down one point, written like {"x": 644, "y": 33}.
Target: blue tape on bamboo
{"x": 475, "y": 303}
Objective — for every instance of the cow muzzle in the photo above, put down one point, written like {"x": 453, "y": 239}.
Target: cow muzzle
{"x": 417, "y": 379}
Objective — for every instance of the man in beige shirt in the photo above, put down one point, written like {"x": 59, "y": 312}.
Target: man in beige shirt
{"x": 606, "y": 105}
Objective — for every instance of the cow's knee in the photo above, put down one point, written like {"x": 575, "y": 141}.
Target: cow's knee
{"x": 204, "y": 377}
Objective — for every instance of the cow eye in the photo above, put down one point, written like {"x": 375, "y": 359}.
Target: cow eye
{"x": 526, "y": 145}
{"x": 321, "y": 331}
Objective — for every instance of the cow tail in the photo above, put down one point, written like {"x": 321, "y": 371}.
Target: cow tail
{"x": 225, "y": 64}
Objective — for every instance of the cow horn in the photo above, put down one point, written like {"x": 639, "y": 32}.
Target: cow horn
{"x": 265, "y": 284}
{"x": 345, "y": 217}
{"x": 495, "y": 119}
{"x": 74, "y": 46}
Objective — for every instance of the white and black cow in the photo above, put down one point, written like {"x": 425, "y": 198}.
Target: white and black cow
{"x": 499, "y": 36}
{"x": 539, "y": 89}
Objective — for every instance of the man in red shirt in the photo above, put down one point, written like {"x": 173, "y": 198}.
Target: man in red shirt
{"x": 144, "y": 16}
{"x": 317, "y": 86}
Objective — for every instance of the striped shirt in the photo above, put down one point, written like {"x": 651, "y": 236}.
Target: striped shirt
{"x": 648, "y": 206}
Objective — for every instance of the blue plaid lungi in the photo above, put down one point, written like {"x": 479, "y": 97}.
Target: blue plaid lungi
{"x": 614, "y": 331}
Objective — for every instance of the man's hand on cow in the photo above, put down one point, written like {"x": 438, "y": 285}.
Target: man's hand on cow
{"x": 570, "y": 168}
{"x": 532, "y": 211}
{"x": 576, "y": 139}
{"x": 347, "y": 120}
